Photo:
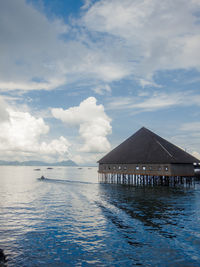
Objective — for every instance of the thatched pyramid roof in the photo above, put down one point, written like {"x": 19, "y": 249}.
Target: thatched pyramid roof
{"x": 146, "y": 147}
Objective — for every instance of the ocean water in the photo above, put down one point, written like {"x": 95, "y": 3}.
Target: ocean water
{"x": 71, "y": 220}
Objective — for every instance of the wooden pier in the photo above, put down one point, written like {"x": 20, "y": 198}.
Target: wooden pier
{"x": 143, "y": 180}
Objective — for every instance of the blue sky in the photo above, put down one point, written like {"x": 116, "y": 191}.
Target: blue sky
{"x": 79, "y": 77}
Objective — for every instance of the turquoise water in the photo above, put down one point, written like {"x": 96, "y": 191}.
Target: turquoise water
{"x": 71, "y": 220}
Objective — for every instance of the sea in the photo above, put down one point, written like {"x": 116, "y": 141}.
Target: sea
{"x": 69, "y": 219}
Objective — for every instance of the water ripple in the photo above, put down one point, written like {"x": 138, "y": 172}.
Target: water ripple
{"x": 71, "y": 220}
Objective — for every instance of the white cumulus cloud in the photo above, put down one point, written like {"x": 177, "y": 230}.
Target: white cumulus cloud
{"x": 56, "y": 146}
{"x": 21, "y": 137}
{"x": 94, "y": 124}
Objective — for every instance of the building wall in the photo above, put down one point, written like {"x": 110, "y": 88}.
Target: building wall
{"x": 149, "y": 169}
{"x": 142, "y": 169}
{"x": 182, "y": 169}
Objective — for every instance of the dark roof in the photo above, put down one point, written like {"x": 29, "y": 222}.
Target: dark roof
{"x": 147, "y": 147}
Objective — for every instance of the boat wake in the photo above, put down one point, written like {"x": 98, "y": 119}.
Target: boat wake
{"x": 50, "y": 180}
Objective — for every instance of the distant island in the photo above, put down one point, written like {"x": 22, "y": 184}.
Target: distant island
{"x": 37, "y": 163}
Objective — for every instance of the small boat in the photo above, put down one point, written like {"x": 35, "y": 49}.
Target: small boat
{"x": 42, "y": 177}
{"x": 37, "y": 169}
{"x": 49, "y": 168}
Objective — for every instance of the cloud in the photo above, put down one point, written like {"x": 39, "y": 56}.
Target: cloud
{"x": 191, "y": 126}
{"x": 44, "y": 54}
{"x": 57, "y": 146}
{"x": 158, "y": 35}
{"x": 29, "y": 48}
{"x": 94, "y": 124}
{"x": 20, "y": 138}
{"x": 87, "y": 159}
{"x": 112, "y": 40}
{"x": 145, "y": 83}
{"x": 155, "y": 101}
{"x": 191, "y": 136}
{"x": 87, "y": 4}
{"x": 187, "y": 136}
{"x": 4, "y": 115}
{"x": 102, "y": 89}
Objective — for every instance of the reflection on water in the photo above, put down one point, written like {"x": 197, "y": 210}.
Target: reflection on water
{"x": 155, "y": 207}
{"x": 69, "y": 219}
{"x": 156, "y": 218}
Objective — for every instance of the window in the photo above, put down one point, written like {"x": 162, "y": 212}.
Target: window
{"x": 166, "y": 168}
{"x": 119, "y": 167}
{"x": 114, "y": 167}
{"x": 144, "y": 168}
{"x": 109, "y": 167}
{"x": 125, "y": 168}
{"x": 159, "y": 168}
{"x": 137, "y": 168}
{"x": 150, "y": 168}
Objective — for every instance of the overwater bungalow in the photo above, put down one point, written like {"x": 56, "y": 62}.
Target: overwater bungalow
{"x": 146, "y": 158}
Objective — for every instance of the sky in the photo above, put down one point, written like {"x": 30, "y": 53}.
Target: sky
{"x": 79, "y": 77}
